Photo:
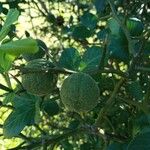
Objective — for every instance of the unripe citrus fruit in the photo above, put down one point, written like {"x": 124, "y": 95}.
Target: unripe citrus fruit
{"x": 79, "y": 92}
{"x": 39, "y": 82}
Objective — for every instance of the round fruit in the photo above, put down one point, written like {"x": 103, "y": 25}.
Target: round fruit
{"x": 39, "y": 82}
{"x": 135, "y": 26}
{"x": 79, "y": 93}
{"x": 41, "y": 52}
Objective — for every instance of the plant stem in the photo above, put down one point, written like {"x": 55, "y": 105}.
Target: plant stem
{"x": 109, "y": 102}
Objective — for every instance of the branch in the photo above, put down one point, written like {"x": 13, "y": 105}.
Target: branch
{"x": 113, "y": 71}
{"x": 143, "y": 69}
{"x": 109, "y": 102}
{"x": 52, "y": 141}
{"x": 67, "y": 71}
{"x": 5, "y": 88}
{"x": 53, "y": 70}
{"x": 102, "y": 61}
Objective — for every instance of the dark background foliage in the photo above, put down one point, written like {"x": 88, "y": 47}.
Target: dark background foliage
{"x": 96, "y": 37}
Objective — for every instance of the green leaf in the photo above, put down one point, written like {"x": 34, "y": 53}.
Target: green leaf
{"x": 147, "y": 49}
{"x": 6, "y": 61}
{"x": 117, "y": 146}
{"x": 102, "y": 34}
{"x": 41, "y": 52}
{"x": 12, "y": 17}
{"x": 70, "y": 59}
{"x": 9, "y": 98}
{"x": 135, "y": 26}
{"x": 74, "y": 124}
{"x": 23, "y": 114}
{"x": 118, "y": 48}
{"x": 89, "y": 20}
{"x": 23, "y": 46}
{"x": 141, "y": 122}
{"x": 113, "y": 26}
{"x": 140, "y": 142}
{"x": 51, "y": 107}
{"x": 66, "y": 145}
{"x": 86, "y": 146}
{"x": 91, "y": 59}
{"x": 135, "y": 90}
{"x": 81, "y": 32}
{"x": 100, "y": 5}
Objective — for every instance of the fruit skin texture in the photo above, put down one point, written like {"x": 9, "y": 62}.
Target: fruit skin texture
{"x": 135, "y": 26}
{"x": 39, "y": 82}
{"x": 39, "y": 54}
{"x": 79, "y": 93}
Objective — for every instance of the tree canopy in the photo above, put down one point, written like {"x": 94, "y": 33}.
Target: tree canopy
{"x": 60, "y": 56}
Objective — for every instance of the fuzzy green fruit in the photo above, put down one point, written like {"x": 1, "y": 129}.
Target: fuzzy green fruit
{"x": 39, "y": 82}
{"x": 39, "y": 54}
{"x": 79, "y": 93}
{"x": 135, "y": 26}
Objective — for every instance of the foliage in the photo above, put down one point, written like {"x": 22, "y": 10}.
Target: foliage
{"x": 107, "y": 42}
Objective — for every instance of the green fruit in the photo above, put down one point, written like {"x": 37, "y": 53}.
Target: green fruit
{"x": 135, "y": 26}
{"x": 39, "y": 82}
{"x": 39, "y": 54}
{"x": 79, "y": 93}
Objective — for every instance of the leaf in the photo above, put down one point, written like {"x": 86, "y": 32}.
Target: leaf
{"x": 9, "y": 98}
{"x": 70, "y": 59}
{"x": 135, "y": 26}
{"x": 23, "y": 114}
{"x": 23, "y": 46}
{"x": 113, "y": 26}
{"x": 66, "y": 145}
{"x": 51, "y": 107}
{"x": 86, "y": 146}
{"x": 11, "y": 17}
{"x": 74, "y": 124}
{"x": 81, "y": 32}
{"x": 6, "y": 61}
{"x": 135, "y": 90}
{"x": 117, "y": 146}
{"x": 147, "y": 49}
{"x": 140, "y": 142}
{"x": 91, "y": 59}
{"x": 141, "y": 122}
{"x": 118, "y": 49}
{"x": 89, "y": 20}
{"x": 100, "y": 5}
{"x": 102, "y": 34}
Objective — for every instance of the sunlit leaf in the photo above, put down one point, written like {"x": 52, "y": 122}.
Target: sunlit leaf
{"x": 23, "y": 46}
{"x": 25, "y": 113}
{"x": 12, "y": 17}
